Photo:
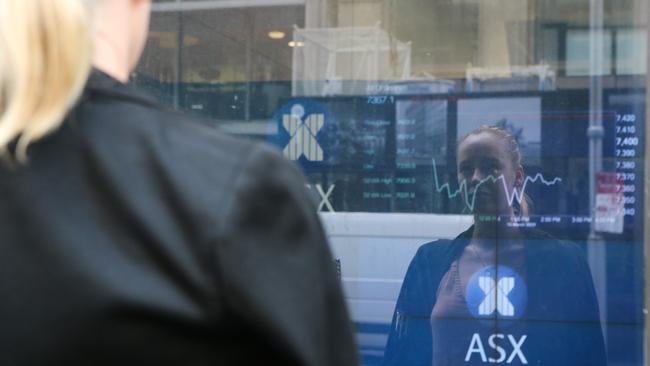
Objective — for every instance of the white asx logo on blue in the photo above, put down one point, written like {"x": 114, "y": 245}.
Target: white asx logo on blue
{"x": 302, "y": 131}
{"x": 496, "y": 291}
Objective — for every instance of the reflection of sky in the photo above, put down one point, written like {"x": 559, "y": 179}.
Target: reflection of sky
{"x": 522, "y": 113}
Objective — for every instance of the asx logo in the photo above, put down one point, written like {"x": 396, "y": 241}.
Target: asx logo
{"x": 496, "y": 296}
{"x": 497, "y": 346}
{"x": 496, "y": 290}
{"x": 302, "y": 131}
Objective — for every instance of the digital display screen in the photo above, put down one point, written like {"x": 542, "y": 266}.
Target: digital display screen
{"x": 398, "y": 154}
{"x": 402, "y": 155}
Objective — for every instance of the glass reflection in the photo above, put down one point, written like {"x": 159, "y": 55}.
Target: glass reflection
{"x": 498, "y": 292}
{"x": 398, "y": 85}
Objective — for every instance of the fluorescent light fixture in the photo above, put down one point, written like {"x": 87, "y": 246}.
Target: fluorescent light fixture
{"x": 276, "y": 34}
{"x": 296, "y": 44}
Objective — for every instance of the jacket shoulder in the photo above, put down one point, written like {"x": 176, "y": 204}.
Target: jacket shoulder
{"x": 185, "y": 159}
{"x": 430, "y": 259}
{"x": 437, "y": 249}
{"x": 140, "y": 120}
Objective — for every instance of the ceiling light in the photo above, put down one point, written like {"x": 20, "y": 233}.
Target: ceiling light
{"x": 296, "y": 44}
{"x": 276, "y": 35}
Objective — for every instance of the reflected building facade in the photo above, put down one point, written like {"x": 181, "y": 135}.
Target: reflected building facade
{"x": 396, "y": 84}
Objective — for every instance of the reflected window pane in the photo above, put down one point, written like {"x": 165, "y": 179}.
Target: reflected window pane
{"x": 631, "y": 55}
{"x": 578, "y": 51}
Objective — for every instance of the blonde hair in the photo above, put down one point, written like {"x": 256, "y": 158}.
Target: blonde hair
{"x": 45, "y": 59}
{"x": 512, "y": 146}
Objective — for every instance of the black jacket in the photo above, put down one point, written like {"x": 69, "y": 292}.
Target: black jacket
{"x": 136, "y": 236}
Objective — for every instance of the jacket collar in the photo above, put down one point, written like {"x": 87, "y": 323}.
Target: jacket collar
{"x": 526, "y": 233}
{"x": 101, "y": 83}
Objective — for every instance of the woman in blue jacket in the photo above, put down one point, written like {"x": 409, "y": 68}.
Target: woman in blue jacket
{"x": 497, "y": 293}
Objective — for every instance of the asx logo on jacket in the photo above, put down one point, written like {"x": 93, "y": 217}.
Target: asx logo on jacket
{"x": 496, "y": 292}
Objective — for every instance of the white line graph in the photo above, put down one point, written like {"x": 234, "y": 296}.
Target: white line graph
{"x": 511, "y": 196}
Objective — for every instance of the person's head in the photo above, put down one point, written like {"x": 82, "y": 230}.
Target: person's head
{"x": 489, "y": 159}
{"x": 48, "y": 48}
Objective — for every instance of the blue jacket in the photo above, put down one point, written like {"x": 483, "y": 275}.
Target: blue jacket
{"x": 561, "y": 319}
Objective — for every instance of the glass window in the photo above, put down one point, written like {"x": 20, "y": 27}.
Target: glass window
{"x": 631, "y": 55}
{"x": 478, "y": 165}
{"x": 578, "y": 53}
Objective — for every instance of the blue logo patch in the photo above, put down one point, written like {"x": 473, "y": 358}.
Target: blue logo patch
{"x": 496, "y": 291}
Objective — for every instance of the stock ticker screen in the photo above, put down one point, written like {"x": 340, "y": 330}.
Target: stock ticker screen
{"x": 397, "y": 154}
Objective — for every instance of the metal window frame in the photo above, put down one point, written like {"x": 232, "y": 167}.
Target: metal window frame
{"x": 646, "y": 227}
{"x": 220, "y": 4}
